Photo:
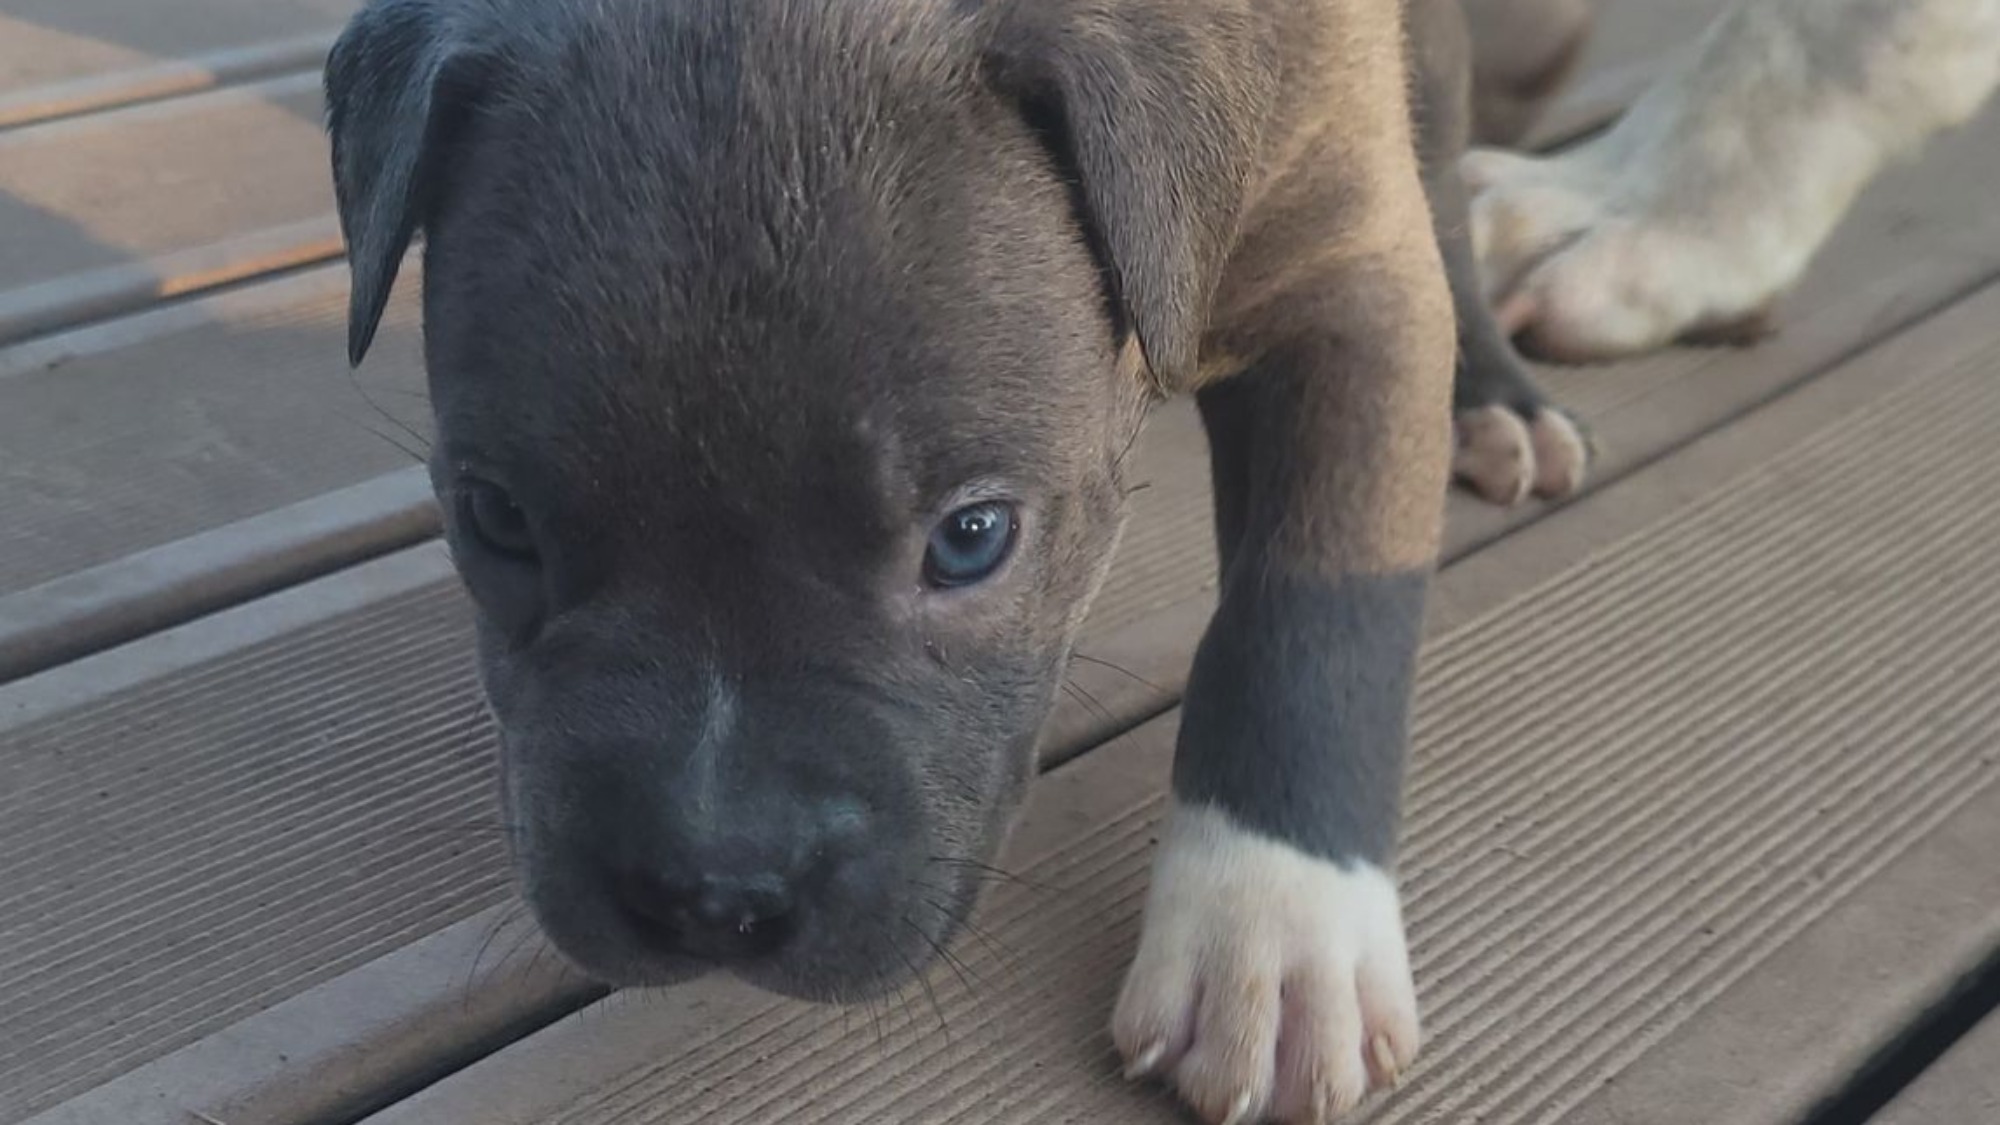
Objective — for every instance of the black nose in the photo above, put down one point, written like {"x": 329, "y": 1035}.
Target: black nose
{"x": 714, "y": 917}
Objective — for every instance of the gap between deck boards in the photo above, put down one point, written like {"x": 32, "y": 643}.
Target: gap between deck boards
{"x": 1477, "y": 582}
{"x": 1488, "y": 578}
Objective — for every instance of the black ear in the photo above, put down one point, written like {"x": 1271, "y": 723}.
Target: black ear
{"x": 1160, "y": 121}
{"x": 399, "y": 79}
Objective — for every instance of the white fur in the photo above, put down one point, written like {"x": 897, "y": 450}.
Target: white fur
{"x": 1505, "y": 458}
{"x": 1706, "y": 202}
{"x": 1494, "y": 454}
{"x": 1269, "y": 984}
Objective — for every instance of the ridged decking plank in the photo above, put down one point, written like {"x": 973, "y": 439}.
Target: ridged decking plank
{"x": 190, "y": 172}
{"x": 230, "y": 713}
{"x": 1921, "y": 237}
{"x": 131, "y": 185}
{"x": 153, "y": 789}
{"x": 236, "y": 414}
{"x": 1675, "y": 768}
{"x": 232, "y": 727}
{"x": 1960, "y": 1088}
{"x": 197, "y": 451}
{"x": 381, "y": 690}
{"x": 221, "y": 724}
{"x": 46, "y": 43}
{"x": 169, "y": 435}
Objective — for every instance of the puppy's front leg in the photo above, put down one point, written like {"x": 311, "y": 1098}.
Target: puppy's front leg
{"x": 1272, "y": 980}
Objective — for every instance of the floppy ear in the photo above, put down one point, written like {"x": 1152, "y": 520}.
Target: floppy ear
{"x": 398, "y": 82}
{"x": 1160, "y": 123}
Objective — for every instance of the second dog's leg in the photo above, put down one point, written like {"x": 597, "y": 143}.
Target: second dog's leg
{"x": 1511, "y": 441}
{"x": 1523, "y": 52}
{"x": 1705, "y": 204}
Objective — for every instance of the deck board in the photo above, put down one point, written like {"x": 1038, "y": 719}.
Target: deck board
{"x": 1686, "y": 800}
{"x": 217, "y": 416}
{"x": 252, "y": 842}
{"x": 244, "y": 711}
{"x": 248, "y": 410}
{"x": 48, "y": 43}
{"x": 227, "y": 415}
{"x": 139, "y": 186}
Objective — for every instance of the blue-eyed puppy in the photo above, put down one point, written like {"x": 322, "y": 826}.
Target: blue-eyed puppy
{"x": 783, "y": 353}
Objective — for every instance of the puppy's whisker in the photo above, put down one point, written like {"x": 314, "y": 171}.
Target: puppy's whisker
{"x": 524, "y": 940}
{"x": 903, "y": 990}
{"x": 419, "y": 458}
{"x": 1007, "y": 959}
{"x": 989, "y": 870}
{"x": 469, "y": 831}
{"x": 409, "y": 431}
{"x": 1087, "y": 700}
{"x": 1131, "y": 443}
{"x": 485, "y": 944}
{"x": 405, "y": 392}
{"x": 925, "y": 980}
{"x": 1100, "y": 662}
{"x": 957, "y": 967}
{"x": 1000, "y": 955}
{"x": 875, "y": 1017}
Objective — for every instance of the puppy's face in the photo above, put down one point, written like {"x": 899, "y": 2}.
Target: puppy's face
{"x": 779, "y": 449}
{"x": 783, "y": 355}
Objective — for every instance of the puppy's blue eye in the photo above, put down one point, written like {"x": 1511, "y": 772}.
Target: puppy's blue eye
{"x": 970, "y": 544}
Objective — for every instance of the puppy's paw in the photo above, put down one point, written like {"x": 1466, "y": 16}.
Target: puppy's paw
{"x": 1505, "y": 455}
{"x": 1269, "y": 985}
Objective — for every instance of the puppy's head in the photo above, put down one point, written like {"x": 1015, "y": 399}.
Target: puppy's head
{"x": 779, "y": 360}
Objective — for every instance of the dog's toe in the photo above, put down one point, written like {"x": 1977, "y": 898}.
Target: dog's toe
{"x": 1269, "y": 985}
{"x": 1562, "y": 455}
{"x": 1494, "y": 454}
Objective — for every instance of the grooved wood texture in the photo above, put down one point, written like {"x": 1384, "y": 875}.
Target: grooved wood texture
{"x": 185, "y": 431}
{"x": 1633, "y": 785}
{"x": 49, "y": 42}
{"x": 147, "y": 180}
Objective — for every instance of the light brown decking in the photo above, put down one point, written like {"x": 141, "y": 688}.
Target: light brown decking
{"x": 1705, "y": 799}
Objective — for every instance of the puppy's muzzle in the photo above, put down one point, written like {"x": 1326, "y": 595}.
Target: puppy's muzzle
{"x": 725, "y": 914}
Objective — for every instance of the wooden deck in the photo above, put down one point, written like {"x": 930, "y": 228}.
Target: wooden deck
{"x": 1706, "y": 805}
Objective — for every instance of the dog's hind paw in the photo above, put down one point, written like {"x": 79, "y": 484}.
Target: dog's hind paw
{"x": 1505, "y": 455}
{"x": 1584, "y": 280}
{"x": 1269, "y": 985}
{"x": 1689, "y": 218}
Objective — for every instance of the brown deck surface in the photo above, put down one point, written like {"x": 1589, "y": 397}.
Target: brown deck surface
{"x": 55, "y": 44}
{"x": 1705, "y": 795}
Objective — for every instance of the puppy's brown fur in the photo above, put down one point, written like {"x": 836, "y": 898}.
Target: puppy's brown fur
{"x": 731, "y": 308}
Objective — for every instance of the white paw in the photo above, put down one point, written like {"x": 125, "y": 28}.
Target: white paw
{"x": 1581, "y": 266}
{"x": 1269, "y": 985}
{"x": 1707, "y": 201}
{"x": 1505, "y": 457}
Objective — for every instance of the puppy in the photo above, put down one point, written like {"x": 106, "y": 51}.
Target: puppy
{"x": 1693, "y": 216}
{"x": 783, "y": 356}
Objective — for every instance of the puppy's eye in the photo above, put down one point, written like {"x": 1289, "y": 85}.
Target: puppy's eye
{"x": 496, "y": 521}
{"x": 970, "y": 544}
